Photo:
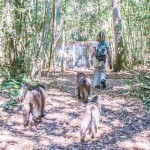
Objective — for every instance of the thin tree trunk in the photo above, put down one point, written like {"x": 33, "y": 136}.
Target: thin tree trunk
{"x": 62, "y": 51}
{"x": 53, "y": 43}
{"x": 9, "y": 46}
{"x": 44, "y": 37}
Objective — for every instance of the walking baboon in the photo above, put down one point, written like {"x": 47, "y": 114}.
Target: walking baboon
{"x": 83, "y": 86}
{"x": 33, "y": 99}
{"x": 90, "y": 122}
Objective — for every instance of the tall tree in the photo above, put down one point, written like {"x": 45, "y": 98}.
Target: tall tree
{"x": 9, "y": 43}
{"x": 118, "y": 41}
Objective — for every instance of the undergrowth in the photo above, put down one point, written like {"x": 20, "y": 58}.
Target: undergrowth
{"x": 143, "y": 90}
{"x": 10, "y": 89}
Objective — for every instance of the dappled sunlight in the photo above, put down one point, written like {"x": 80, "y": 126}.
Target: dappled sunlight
{"x": 15, "y": 143}
{"x": 117, "y": 123}
{"x": 75, "y": 122}
{"x": 140, "y": 140}
{"x": 62, "y": 79}
{"x": 123, "y": 87}
{"x": 121, "y": 75}
{"x": 124, "y": 121}
{"x": 104, "y": 128}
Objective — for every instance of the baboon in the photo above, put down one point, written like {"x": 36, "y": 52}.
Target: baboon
{"x": 33, "y": 99}
{"x": 90, "y": 122}
{"x": 83, "y": 86}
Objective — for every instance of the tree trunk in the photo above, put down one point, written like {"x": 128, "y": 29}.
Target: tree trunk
{"x": 9, "y": 45}
{"x": 62, "y": 50}
{"x": 118, "y": 62}
{"x": 53, "y": 43}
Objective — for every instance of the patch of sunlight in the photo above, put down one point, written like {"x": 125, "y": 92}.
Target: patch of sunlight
{"x": 4, "y": 134}
{"x": 28, "y": 133}
{"x": 123, "y": 87}
{"x": 125, "y": 72}
{"x": 104, "y": 129}
{"x": 138, "y": 141}
{"x": 117, "y": 123}
{"x": 75, "y": 122}
{"x": 129, "y": 144}
{"x": 57, "y": 98}
{"x": 59, "y": 140}
{"x": 14, "y": 119}
{"x": 62, "y": 79}
{"x": 115, "y": 105}
{"x": 59, "y": 93}
{"x": 143, "y": 145}
{"x": 21, "y": 145}
{"x": 79, "y": 69}
{"x": 44, "y": 142}
{"x": 73, "y": 135}
{"x": 142, "y": 136}
{"x": 55, "y": 116}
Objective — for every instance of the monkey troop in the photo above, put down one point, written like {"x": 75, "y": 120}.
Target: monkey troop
{"x": 33, "y": 99}
{"x": 90, "y": 122}
{"x": 83, "y": 86}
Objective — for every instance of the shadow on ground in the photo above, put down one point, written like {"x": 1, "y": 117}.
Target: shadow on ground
{"x": 125, "y": 122}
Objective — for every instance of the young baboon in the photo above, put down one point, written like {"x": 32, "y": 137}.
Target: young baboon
{"x": 33, "y": 99}
{"x": 90, "y": 122}
{"x": 83, "y": 86}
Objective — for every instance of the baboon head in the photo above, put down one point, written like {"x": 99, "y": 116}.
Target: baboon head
{"x": 26, "y": 86}
{"x": 80, "y": 74}
{"x": 97, "y": 99}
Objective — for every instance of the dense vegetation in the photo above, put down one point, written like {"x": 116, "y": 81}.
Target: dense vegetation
{"x": 30, "y": 31}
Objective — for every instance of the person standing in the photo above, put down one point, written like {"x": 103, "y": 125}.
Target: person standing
{"x": 99, "y": 56}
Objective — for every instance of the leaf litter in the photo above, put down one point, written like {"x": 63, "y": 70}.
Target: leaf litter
{"x": 125, "y": 121}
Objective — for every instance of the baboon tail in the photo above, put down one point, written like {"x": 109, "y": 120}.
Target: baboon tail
{"x": 87, "y": 88}
{"x": 85, "y": 82}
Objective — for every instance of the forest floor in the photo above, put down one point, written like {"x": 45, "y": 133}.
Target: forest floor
{"x": 124, "y": 121}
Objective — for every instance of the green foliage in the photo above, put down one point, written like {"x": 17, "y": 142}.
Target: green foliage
{"x": 10, "y": 104}
{"x": 143, "y": 90}
{"x": 25, "y": 34}
{"x": 128, "y": 81}
{"x": 26, "y": 31}
{"x": 10, "y": 90}
{"x": 136, "y": 18}
{"x": 85, "y": 19}
{"x": 17, "y": 71}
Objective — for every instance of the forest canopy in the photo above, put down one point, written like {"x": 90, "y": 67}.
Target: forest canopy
{"x": 31, "y": 30}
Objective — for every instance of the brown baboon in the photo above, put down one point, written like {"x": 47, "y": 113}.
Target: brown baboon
{"x": 83, "y": 86}
{"x": 33, "y": 99}
{"x": 90, "y": 122}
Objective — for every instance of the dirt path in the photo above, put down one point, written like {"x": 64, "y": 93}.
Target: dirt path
{"x": 125, "y": 121}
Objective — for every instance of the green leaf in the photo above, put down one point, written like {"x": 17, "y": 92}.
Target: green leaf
{"x": 5, "y": 105}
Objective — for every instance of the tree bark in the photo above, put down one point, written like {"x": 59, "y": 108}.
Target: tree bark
{"x": 9, "y": 46}
{"x": 118, "y": 62}
{"x": 62, "y": 50}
